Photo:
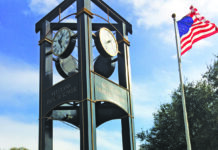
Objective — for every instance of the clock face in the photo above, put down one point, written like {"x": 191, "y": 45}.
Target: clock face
{"x": 108, "y": 42}
{"x": 61, "y": 41}
{"x": 67, "y": 67}
{"x": 104, "y": 66}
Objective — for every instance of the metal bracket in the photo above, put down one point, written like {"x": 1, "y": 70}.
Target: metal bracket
{"x": 84, "y": 10}
{"x": 125, "y": 41}
{"x": 45, "y": 39}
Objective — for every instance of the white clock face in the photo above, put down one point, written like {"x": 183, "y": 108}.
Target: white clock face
{"x": 108, "y": 41}
{"x": 61, "y": 41}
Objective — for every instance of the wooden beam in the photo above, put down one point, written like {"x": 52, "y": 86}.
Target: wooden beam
{"x": 73, "y": 26}
{"x": 46, "y": 80}
{"x": 53, "y": 14}
{"x": 124, "y": 74}
{"x": 113, "y": 14}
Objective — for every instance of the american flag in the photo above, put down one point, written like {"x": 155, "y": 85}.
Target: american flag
{"x": 193, "y": 28}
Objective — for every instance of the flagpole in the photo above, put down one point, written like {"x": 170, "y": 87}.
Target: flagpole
{"x": 182, "y": 88}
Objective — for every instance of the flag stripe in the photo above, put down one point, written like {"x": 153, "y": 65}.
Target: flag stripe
{"x": 199, "y": 29}
{"x": 194, "y": 28}
{"x": 202, "y": 37}
{"x": 196, "y": 33}
{"x": 197, "y": 38}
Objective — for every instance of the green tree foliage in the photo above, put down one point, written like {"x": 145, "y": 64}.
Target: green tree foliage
{"x": 212, "y": 75}
{"x": 168, "y": 132}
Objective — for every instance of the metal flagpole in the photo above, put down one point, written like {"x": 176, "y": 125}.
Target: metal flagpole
{"x": 182, "y": 88}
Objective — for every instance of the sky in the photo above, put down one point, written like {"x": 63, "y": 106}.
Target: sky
{"x": 153, "y": 64}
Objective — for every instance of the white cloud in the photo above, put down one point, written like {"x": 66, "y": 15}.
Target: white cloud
{"x": 168, "y": 36}
{"x": 140, "y": 92}
{"x": 194, "y": 72}
{"x": 65, "y": 138}
{"x": 18, "y": 77}
{"x": 18, "y": 134}
{"x": 158, "y": 12}
{"x": 149, "y": 94}
{"x": 202, "y": 44}
{"x": 43, "y": 7}
{"x": 109, "y": 140}
{"x": 174, "y": 56}
{"x": 148, "y": 13}
{"x": 70, "y": 20}
{"x": 144, "y": 112}
{"x": 18, "y": 80}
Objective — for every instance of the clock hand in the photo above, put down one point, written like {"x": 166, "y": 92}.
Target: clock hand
{"x": 61, "y": 36}
{"x": 59, "y": 40}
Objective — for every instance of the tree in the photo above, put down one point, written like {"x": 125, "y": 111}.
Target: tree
{"x": 212, "y": 75}
{"x": 168, "y": 132}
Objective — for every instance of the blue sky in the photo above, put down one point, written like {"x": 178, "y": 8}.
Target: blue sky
{"x": 153, "y": 61}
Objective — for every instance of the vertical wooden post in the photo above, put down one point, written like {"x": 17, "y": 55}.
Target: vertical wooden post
{"x": 124, "y": 74}
{"x": 46, "y": 79}
{"x": 87, "y": 106}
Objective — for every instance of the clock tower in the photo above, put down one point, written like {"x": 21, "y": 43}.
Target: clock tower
{"x": 87, "y": 97}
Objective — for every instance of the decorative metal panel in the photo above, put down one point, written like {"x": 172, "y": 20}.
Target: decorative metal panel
{"x": 106, "y": 90}
{"x": 62, "y": 92}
